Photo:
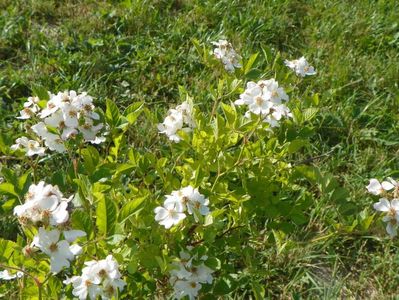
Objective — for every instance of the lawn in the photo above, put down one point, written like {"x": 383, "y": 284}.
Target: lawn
{"x": 129, "y": 51}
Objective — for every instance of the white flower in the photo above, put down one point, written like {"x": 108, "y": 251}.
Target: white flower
{"x": 70, "y": 114}
{"x": 172, "y": 124}
{"x": 375, "y": 187}
{"x": 265, "y": 98}
{"x": 59, "y": 251}
{"x": 272, "y": 91}
{"x": 300, "y": 66}
{"x": 30, "y": 146}
{"x": 391, "y": 209}
{"x": 186, "y": 110}
{"x": 99, "y": 278}
{"x": 73, "y": 234}
{"x": 89, "y": 130}
{"x": 225, "y": 52}
{"x": 5, "y": 275}
{"x": 169, "y": 215}
{"x": 52, "y": 106}
{"x": 84, "y": 286}
{"x": 188, "y": 274}
{"x": 196, "y": 202}
{"x": 188, "y": 288}
{"x": 44, "y": 203}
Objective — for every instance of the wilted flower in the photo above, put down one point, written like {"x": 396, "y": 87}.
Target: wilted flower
{"x": 225, "y": 52}
{"x": 300, "y": 66}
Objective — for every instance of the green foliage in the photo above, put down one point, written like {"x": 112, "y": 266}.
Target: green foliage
{"x": 282, "y": 226}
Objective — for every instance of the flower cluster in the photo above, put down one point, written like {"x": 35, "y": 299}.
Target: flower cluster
{"x": 5, "y": 275}
{"x": 176, "y": 119}
{"x": 300, "y": 66}
{"x": 186, "y": 199}
{"x": 46, "y": 206}
{"x": 226, "y": 53}
{"x": 65, "y": 116}
{"x": 389, "y": 203}
{"x": 265, "y": 98}
{"x": 99, "y": 278}
{"x": 188, "y": 274}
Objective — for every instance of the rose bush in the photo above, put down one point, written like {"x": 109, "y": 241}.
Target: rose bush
{"x": 181, "y": 217}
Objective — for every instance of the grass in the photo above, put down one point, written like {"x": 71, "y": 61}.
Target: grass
{"x": 142, "y": 50}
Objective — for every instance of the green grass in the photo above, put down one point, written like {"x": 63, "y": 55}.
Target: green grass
{"x": 142, "y": 50}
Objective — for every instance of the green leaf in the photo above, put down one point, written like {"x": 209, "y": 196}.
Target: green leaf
{"x": 6, "y": 249}
{"x": 309, "y": 113}
{"x": 40, "y": 92}
{"x": 250, "y": 62}
{"x": 106, "y": 215}
{"x": 130, "y": 208}
{"x": 133, "y": 111}
{"x": 8, "y": 189}
{"x": 81, "y": 220}
{"x": 296, "y": 145}
{"x": 91, "y": 158}
{"x": 112, "y": 113}
{"x": 229, "y": 112}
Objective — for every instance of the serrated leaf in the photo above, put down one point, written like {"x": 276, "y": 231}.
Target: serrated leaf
{"x": 296, "y": 145}
{"x": 229, "y": 112}
{"x": 81, "y": 220}
{"x": 91, "y": 158}
{"x": 130, "y": 208}
{"x": 8, "y": 189}
{"x": 6, "y": 249}
{"x": 250, "y": 62}
{"x": 309, "y": 113}
{"x": 112, "y": 113}
{"x": 133, "y": 112}
{"x": 106, "y": 215}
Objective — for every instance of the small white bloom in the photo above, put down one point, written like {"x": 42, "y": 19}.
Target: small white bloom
{"x": 188, "y": 288}
{"x": 59, "y": 251}
{"x": 224, "y": 51}
{"x": 376, "y": 188}
{"x": 73, "y": 234}
{"x": 169, "y": 215}
{"x": 99, "y": 278}
{"x": 70, "y": 114}
{"x": 300, "y": 66}
{"x": 44, "y": 203}
{"x": 391, "y": 208}
{"x": 31, "y": 147}
{"x": 171, "y": 125}
{"x": 5, "y": 275}
{"x": 84, "y": 286}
